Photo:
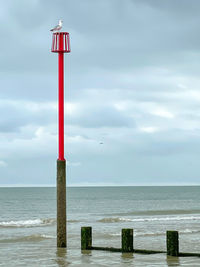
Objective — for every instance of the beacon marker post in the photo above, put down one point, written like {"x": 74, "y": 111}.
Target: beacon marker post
{"x": 61, "y": 45}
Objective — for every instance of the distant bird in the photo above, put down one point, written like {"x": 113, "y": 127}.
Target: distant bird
{"x": 101, "y": 143}
{"x": 58, "y": 27}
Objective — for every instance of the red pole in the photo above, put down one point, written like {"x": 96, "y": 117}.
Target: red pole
{"x": 61, "y": 99}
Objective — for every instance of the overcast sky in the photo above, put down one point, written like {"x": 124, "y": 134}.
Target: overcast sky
{"x": 132, "y": 82}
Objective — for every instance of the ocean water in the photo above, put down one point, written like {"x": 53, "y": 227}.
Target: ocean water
{"x": 28, "y": 225}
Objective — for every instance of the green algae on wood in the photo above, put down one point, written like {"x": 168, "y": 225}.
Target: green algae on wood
{"x": 127, "y": 240}
{"x": 172, "y": 241}
{"x": 86, "y": 238}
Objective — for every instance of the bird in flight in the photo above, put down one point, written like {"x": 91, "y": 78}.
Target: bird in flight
{"x": 58, "y": 27}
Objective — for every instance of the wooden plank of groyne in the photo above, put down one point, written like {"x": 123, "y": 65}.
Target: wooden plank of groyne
{"x": 188, "y": 254}
{"x": 107, "y": 249}
{"x": 145, "y": 251}
{"x": 127, "y": 240}
{"x": 172, "y": 241}
{"x": 86, "y": 238}
{"x": 140, "y": 251}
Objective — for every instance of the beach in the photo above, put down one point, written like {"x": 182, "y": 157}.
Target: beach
{"x": 28, "y": 224}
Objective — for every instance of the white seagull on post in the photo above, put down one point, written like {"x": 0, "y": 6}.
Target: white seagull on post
{"x": 58, "y": 27}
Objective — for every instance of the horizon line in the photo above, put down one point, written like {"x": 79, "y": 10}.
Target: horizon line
{"x": 92, "y": 185}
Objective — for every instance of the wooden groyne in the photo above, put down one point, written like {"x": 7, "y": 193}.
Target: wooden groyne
{"x": 127, "y": 244}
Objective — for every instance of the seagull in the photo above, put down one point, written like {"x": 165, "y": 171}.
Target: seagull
{"x": 58, "y": 27}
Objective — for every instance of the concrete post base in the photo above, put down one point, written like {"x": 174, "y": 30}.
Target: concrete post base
{"x": 61, "y": 204}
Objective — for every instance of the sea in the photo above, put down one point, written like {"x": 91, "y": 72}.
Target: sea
{"x": 28, "y": 225}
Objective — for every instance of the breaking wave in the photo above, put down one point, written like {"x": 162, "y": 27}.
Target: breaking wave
{"x": 31, "y": 223}
{"x": 157, "y": 212}
{"x": 27, "y": 223}
{"x": 148, "y": 219}
{"x": 114, "y": 220}
{"x": 143, "y": 234}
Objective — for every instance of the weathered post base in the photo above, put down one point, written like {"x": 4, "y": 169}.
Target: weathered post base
{"x": 61, "y": 204}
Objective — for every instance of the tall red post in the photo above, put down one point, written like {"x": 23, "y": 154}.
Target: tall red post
{"x": 61, "y": 100}
{"x": 61, "y": 45}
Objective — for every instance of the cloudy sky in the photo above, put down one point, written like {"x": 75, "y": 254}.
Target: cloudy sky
{"x": 132, "y": 82}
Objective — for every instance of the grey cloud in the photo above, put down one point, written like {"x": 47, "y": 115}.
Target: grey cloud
{"x": 104, "y": 34}
{"x": 18, "y": 114}
{"x": 103, "y": 116}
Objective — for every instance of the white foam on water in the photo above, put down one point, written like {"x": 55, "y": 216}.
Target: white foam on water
{"x": 148, "y": 219}
{"x": 27, "y": 223}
